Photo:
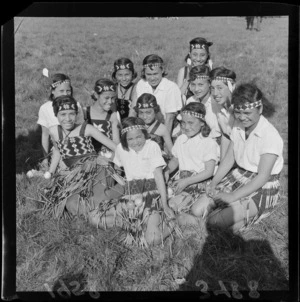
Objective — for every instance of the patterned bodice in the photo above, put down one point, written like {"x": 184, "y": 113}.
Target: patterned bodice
{"x": 103, "y": 126}
{"x": 74, "y": 146}
{"x": 123, "y": 102}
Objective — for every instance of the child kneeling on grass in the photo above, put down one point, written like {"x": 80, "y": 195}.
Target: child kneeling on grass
{"x": 73, "y": 190}
{"x": 251, "y": 190}
{"x": 196, "y": 154}
{"x": 143, "y": 211}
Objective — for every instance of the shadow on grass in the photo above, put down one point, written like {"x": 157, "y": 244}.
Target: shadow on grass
{"x": 228, "y": 262}
{"x": 28, "y": 150}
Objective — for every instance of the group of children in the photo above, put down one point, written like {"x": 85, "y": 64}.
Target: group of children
{"x": 198, "y": 148}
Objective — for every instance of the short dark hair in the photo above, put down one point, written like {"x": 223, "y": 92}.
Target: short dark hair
{"x": 222, "y": 72}
{"x": 100, "y": 83}
{"x": 198, "y": 108}
{"x": 198, "y": 71}
{"x": 124, "y": 61}
{"x": 131, "y": 121}
{"x": 152, "y": 59}
{"x": 147, "y": 98}
{"x": 63, "y": 99}
{"x": 58, "y": 77}
{"x": 250, "y": 93}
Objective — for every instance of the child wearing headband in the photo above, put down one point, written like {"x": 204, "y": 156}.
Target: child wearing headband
{"x": 196, "y": 154}
{"x": 101, "y": 116}
{"x": 86, "y": 179}
{"x": 124, "y": 74}
{"x": 251, "y": 190}
{"x": 222, "y": 86}
{"x": 147, "y": 109}
{"x": 166, "y": 92}
{"x": 199, "y": 84}
{"x": 198, "y": 56}
{"x": 61, "y": 85}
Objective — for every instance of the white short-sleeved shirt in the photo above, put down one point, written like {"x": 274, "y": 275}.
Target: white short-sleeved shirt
{"x": 48, "y": 119}
{"x": 167, "y": 94}
{"x": 263, "y": 139}
{"x": 140, "y": 165}
{"x": 225, "y": 119}
{"x": 210, "y": 115}
{"x": 193, "y": 152}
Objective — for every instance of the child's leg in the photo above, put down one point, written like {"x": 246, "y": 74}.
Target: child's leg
{"x": 185, "y": 219}
{"x": 202, "y": 206}
{"x": 233, "y": 216}
{"x": 154, "y": 233}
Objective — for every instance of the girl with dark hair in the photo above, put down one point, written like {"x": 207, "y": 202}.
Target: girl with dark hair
{"x": 101, "y": 116}
{"x": 148, "y": 110}
{"x": 61, "y": 85}
{"x": 199, "y": 84}
{"x": 251, "y": 190}
{"x": 124, "y": 74}
{"x": 143, "y": 210}
{"x": 196, "y": 154}
{"x": 198, "y": 56}
{"x": 166, "y": 92}
{"x": 222, "y": 86}
{"x": 86, "y": 179}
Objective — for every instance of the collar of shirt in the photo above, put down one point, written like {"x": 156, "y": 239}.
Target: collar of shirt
{"x": 258, "y": 130}
{"x": 161, "y": 85}
{"x": 194, "y": 138}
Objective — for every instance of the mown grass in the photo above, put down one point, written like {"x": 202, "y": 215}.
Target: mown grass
{"x": 50, "y": 251}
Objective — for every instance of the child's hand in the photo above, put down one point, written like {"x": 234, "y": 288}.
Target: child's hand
{"x": 221, "y": 198}
{"x": 180, "y": 185}
{"x": 211, "y": 190}
{"x": 169, "y": 212}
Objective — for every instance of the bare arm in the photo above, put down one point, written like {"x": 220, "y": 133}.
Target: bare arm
{"x": 225, "y": 142}
{"x": 45, "y": 140}
{"x": 133, "y": 102}
{"x": 169, "y": 121}
{"x": 173, "y": 164}
{"x": 55, "y": 158}
{"x": 168, "y": 141}
{"x": 226, "y": 164}
{"x": 100, "y": 137}
{"x": 181, "y": 81}
{"x": 115, "y": 129}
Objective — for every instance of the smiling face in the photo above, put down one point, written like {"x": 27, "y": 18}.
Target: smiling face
{"x": 106, "y": 99}
{"x": 135, "y": 139}
{"x": 220, "y": 92}
{"x": 62, "y": 89}
{"x": 147, "y": 115}
{"x": 153, "y": 75}
{"x": 67, "y": 119}
{"x": 249, "y": 117}
{"x": 124, "y": 77}
{"x": 190, "y": 125}
{"x": 200, "y": 88}
{"x": 198, "y": 56}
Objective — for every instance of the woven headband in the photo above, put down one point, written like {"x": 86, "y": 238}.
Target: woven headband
{"x": 67, "y": 106}
{"x": 229, "y": 82}
{"x": 193, "y": 113}
{"x": 199, "y": 46}
{"x": 146, "y": 105}
{"x": 200, "y": 77}
{"x": 150, "y": 65}
{"x": 137, "y": 127}
{"x": 123, "y": 66}
{"x": 105, "y": 88}
{"x": 248, "y": 105}
{"x": 54, "y": 85}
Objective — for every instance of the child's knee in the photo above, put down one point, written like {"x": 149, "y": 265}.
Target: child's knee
{"x": 202, "y": 206}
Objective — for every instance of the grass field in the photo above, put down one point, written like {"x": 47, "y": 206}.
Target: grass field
{"x": 51, "y": 252}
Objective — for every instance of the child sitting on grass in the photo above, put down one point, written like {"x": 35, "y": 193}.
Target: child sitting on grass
{"x": 147, "y": 109}
{"x": 196, "y": 154}
{"x": 143, "y": 210}
{"x": 251, "y": 190}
